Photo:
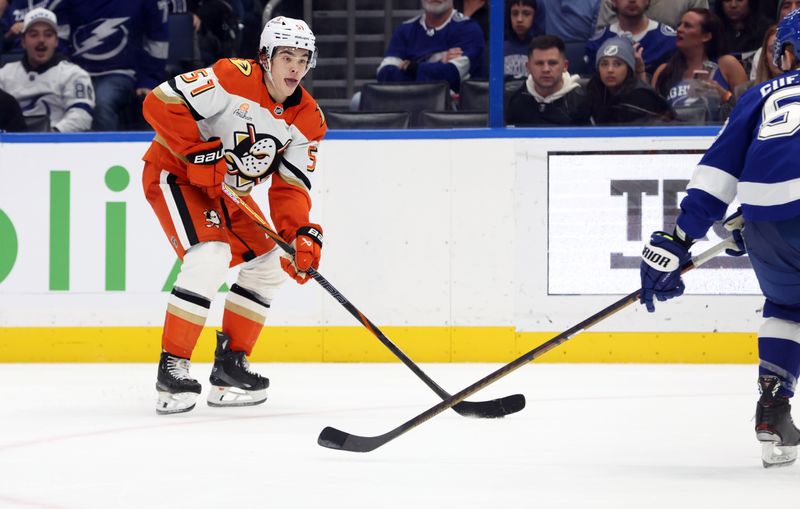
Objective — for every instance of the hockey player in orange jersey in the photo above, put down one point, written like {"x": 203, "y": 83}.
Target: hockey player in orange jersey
{"x": 244, "y": 122}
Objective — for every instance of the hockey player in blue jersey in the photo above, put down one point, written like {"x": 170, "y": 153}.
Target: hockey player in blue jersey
{"x": 439, "y": 44}
{"x": 754, "y": 159}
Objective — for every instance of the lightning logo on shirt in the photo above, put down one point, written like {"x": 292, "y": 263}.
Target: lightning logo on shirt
{"x": 100, "y": 35}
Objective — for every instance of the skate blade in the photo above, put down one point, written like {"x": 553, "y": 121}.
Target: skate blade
{"x": 177, "y": 403}
{"x": 233, "y": 396}
{"x": 774, "y": 455}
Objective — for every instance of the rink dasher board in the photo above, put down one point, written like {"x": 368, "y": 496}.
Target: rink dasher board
{"x": 468, "y": 248}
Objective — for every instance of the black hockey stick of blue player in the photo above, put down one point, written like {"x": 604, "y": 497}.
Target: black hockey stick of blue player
{"x": 484, "y": 409}
{"x": 333, "y": 438}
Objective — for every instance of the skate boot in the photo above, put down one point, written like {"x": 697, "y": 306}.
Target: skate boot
{"x": 232, "y": 382}
{"x": 177, "y": 390}
{"x": 774, "y": 426}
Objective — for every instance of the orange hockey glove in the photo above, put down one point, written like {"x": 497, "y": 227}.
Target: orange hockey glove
{"x": 207, "y": 167}
{"x": 308, "y": 250}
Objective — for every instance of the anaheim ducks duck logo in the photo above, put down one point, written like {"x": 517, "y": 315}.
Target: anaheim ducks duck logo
{"x": 255, "y": 155}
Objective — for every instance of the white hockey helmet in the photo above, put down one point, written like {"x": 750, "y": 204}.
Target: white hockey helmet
{"x": 282, "y": 31}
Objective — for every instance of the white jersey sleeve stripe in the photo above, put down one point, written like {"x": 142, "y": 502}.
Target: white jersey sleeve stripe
{"x": 397, "y": 62}
{"x": 717, "y": 183}
{"x": 766, "y": 195}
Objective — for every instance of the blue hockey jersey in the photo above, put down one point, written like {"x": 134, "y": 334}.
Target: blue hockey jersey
{"x": 114, "y": 37}
{"x": 752, "y": 159}
{"x": 425, "y": 48}
{"x": 657, "y": 41}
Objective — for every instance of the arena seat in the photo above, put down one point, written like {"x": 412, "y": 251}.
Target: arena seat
{"x": 37, "y": 123}
{"x": 474, "y": 94}
{"x": 368, "y": 119}
{"x": 452, "y": 119}
{"x": 411, "y": 97}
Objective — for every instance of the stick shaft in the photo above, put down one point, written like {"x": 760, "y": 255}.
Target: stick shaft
{"x": 324, "y": 283}
{"x": 363, "y": 444}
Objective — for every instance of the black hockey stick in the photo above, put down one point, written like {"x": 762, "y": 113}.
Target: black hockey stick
{"x": 333, "y": 438}
{"x": 485, "y": 409}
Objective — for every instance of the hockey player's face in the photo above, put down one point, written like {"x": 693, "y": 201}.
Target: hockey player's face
{"x": 613, "y": 71}
{"x": 39, "y": 42}
{"x": 288, "y": 66}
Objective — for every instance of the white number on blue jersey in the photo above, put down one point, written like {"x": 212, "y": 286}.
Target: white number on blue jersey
{"x": 781, "y": 114}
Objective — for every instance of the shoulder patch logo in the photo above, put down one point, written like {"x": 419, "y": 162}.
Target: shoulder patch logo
{"x": 242, "y": 111}
{"x": 244, "y": 66}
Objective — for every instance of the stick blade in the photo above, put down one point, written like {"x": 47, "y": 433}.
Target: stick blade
{"x": 333, "y": 438}
{"x": 492, "y": 409}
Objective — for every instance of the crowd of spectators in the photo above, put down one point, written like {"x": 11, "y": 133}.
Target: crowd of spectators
{"x": 601, "y": 61}
{"x": 87, "y": 64}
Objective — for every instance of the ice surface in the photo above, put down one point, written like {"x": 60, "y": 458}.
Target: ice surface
{"x": 85, "y": 436}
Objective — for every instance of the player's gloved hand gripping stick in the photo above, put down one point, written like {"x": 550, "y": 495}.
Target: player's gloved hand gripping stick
{"x": 487, "y": 409}
{"x": 333, "y": 438}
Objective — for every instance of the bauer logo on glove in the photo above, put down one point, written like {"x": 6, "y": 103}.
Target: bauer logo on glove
{"x": 308, "y": 250}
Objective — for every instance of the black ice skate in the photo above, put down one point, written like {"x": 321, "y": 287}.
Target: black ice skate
{"x": 177, "y": 390}
{"x": 774, "y": 426}
{"x": 232, "y": 382}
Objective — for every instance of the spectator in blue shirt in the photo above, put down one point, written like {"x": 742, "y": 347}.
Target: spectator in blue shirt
{"x": 520, "y": 15}
{"x": 570, "y": 20}
{"x": 123, "y": 46}
{"x": 439, "y": 44}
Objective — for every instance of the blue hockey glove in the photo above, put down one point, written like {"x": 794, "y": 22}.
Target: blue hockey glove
{"x": 735, "y": 224}
{"x": 662, "y": 259}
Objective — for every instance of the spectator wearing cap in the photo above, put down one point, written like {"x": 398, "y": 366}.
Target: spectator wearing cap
{"x": 12, "y": 17}
{"x": 616, "y": 95}
{"x": 43, "y": 82}
{"x": 657, "y": 39}
{"x": 550, "y": 95}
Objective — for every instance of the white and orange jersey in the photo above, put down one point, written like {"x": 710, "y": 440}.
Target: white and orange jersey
{"x": 260, "y": 137}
